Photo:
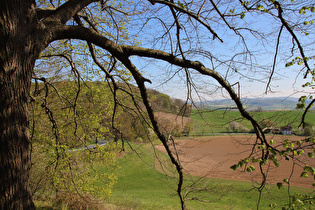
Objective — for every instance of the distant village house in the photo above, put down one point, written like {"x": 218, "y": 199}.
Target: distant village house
{"x": 287, "y": 130}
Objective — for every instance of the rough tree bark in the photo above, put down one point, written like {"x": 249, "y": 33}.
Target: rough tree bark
{"x": 17, "y": 60}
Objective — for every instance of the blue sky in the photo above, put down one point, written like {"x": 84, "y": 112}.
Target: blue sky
{"x": 251, "y": 71}
{"x": 287, "y": 83}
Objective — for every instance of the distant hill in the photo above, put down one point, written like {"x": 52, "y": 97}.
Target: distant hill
{"x": 161, "y": 102}
{"x": 276, "y": 103}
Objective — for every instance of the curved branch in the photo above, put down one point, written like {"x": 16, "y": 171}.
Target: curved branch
{"x": 286, "y": 25}
{"x": 122, "y": 53}
{"x": 196, "y": 17}
{"x": 67, "y": 10}
{"x": 305, "y": 111}
{"x": 274, "y": 60}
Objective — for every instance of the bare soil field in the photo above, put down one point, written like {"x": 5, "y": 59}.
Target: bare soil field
{"x": 168, "y": 121}
{"x": 213, "y": 156}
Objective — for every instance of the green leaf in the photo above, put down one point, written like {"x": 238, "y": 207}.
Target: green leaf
{"x": 288, "y": 64}
{"x": 275, "y": 161}
{"x": 234, "y": 167}
{"x": 181, "y": 5}
{"x": 242, "y": 15}
{"x": 255, "y": 160}
{"x": 300, "y": 105}
{"x": 272, "y": 151}
{"x": 250, "y": 168}
{"x": 279, "y": 185}
{"x": 261, "y": 147}
{"x": 304, "y": 174}
{"x": 286, "y": 181}
{"x": 299, "y": 153}
{"x": 259, "y": 7}
{"x": 263, "y": 162}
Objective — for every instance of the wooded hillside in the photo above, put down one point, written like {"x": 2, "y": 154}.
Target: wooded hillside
{"x": 86, "y": 111}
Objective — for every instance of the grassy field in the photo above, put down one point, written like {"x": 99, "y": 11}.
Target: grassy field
{"x": 140, "y": 186}
{"x": 209, "y": 122}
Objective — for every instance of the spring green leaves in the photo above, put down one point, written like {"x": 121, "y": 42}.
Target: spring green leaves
{"x": 280, "y": 185}
{"x": 304, "y": 9}
{"x": 181, "y": 5}
{"x": 291, "y": 149}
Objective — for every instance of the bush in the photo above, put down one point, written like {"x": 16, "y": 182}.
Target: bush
{"x": 308, "y": 131}
{"x": 265, "y": 123}
{"x": 237, "y": 127}
{"x": 187, "y": 129}
{"x": 177, "y": 131}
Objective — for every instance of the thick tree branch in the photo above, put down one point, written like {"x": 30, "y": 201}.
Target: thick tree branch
{"x": 122, "y": 53}
{"x": 43, "y": 13}
{"x": 66, "y": 11}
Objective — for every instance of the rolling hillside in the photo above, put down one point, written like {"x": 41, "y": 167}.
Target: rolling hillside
{"x": 277, "y": 103}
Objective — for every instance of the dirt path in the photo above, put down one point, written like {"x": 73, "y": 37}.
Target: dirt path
{"x": 213, "y": 156}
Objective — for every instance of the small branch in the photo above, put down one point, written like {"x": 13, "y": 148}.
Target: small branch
{"x": 305, "y": 112}
{"x": 274, "y": 60}
{"x": 196, "y": 17}
{"x": 286, "y": 25}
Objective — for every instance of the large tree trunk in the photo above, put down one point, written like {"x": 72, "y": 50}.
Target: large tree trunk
{"x": 17, "y": 59}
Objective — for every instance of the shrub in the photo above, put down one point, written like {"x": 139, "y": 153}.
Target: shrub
{"x": 177, "y": 131}
{"x": 237, "y": 127}
{"x": 308, "y": 131}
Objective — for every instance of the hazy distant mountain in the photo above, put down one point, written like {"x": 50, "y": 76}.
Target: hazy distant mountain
{"x": 277, "y": 103}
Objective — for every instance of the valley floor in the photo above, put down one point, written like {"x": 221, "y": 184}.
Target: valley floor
{"x": 213, "y": 156}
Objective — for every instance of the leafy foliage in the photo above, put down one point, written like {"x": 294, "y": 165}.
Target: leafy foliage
{"x": 65, "y": 120}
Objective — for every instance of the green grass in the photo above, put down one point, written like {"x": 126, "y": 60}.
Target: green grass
{"x": 140, "y": 186}
{"x": 209, "y": 122}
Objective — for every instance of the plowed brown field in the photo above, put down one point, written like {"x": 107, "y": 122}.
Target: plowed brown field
{"x": 213, "y": 156}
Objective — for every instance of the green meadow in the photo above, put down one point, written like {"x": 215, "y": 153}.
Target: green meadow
{"x": 210, "y": 122}
{"x": 141, "y": 186}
